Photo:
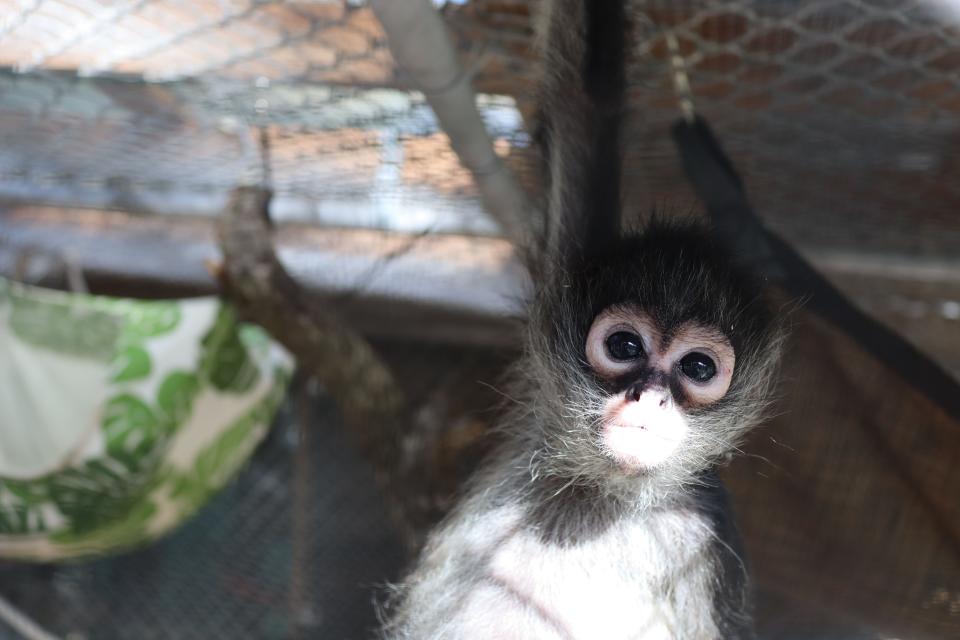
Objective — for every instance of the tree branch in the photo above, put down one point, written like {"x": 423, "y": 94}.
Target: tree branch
{"x": 402, "y": 450}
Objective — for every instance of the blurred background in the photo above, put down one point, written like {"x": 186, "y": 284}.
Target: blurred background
{"x": 124, "y": 126}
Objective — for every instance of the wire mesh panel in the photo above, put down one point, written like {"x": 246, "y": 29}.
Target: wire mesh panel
{"x": 841, "y": 115}
{"x": 298, "y": 546}
{"x": 338, "y": 156}
{"x": 80, "y": 127}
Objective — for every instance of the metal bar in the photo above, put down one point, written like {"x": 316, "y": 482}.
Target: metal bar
{"x": 419, "y": 42}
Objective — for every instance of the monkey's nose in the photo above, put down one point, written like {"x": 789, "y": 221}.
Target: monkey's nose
{"x": 635, "y": 392}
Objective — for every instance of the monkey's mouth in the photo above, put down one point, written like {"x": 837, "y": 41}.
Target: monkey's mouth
{"x": 641, "y": 436}
{"x": 639, "y": 448}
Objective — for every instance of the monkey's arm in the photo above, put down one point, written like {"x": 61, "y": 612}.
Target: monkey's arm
{"x": 732, "y": 598}
{"x": 582, "y": 97}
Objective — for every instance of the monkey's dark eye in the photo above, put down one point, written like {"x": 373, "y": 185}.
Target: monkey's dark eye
{"x": 697, "y": 366}
{"x": 624, "y": 345}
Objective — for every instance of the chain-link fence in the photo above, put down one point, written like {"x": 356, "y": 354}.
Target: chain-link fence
{"x": 81, "y": 127}
{"x": 297, "y": 547}
{"x": 841, "y": 115}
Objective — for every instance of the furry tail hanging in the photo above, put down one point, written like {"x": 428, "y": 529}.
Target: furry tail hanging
{"x": 581, "y": 105}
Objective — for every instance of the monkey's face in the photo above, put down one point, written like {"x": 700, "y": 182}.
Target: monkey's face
{"x": 654, "y": 378}
{"x": 656, "y": 357}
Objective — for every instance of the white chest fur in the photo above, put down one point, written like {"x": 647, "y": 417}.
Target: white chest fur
{"x": 645, "y": 579}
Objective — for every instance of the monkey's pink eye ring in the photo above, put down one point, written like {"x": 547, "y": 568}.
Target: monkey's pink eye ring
{"x": 624, "y": 346}
{"x": 698, "y": 366}
{"x": 620, "y": 339}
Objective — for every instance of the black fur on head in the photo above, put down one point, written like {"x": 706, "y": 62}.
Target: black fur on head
{"x": 676, "y": 273}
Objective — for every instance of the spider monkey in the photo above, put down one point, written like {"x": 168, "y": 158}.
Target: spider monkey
{"x": 647, "y": 357}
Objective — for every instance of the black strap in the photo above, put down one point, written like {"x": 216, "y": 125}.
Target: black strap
{"x": 737, "y": 226}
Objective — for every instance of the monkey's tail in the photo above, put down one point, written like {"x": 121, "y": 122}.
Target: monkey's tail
{"x": 581, "y": 105}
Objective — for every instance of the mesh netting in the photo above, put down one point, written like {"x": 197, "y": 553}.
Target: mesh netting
{"x": 348, "y": 147}
{"x": 299, "y": 545}
{"x": 841, "y": 116}
{"x": 294, "y": 548}
{"x": 840, "y": 113}
{"x": 339, "y": 156}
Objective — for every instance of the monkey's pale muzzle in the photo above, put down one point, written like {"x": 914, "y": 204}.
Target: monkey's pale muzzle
{"x": 642, "y": 433}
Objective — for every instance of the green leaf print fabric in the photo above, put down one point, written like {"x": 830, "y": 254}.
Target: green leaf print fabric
{"x": 120, "y": 418}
